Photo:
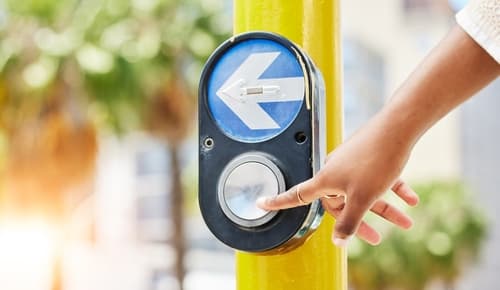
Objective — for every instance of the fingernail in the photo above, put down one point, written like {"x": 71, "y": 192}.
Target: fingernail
{"x": 408, "y": 225}
{"x": 341, "y": 242}
{"x": 261, "y": 201}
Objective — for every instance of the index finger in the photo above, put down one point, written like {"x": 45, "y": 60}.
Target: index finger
{"x": 299, "y": 195}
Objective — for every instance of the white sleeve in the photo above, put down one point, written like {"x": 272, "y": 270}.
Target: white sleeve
{"x": 481, "y": 20}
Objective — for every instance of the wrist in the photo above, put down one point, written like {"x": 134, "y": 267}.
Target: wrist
{"x": 399, "y": 127}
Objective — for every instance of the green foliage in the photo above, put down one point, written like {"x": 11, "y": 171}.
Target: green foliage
{"x": 41, "y": 9}
{"x": 114, "y": 54}
{"x": 445, "y": 239}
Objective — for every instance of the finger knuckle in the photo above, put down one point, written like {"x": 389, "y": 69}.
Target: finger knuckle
{"x": 289, "y": 197}
{"x": 384, "y": 209}
{"x": 397, "y": 185}
{"x": 322, "y": 178}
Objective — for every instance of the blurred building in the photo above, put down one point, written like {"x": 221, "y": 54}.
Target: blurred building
{"x": 479, "y": 139}
{"x": 383, "y": 42}
{"x": 131, "y": 250}
{"x": 396, "y": 35}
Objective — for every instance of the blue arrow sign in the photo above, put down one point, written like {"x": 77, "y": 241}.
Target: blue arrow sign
{"x": 256, "y": 90}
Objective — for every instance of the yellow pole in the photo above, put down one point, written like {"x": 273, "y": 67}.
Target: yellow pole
{"x": 314, "y": 25}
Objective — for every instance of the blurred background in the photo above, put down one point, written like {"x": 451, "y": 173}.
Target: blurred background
{"x": 98, "y": 148}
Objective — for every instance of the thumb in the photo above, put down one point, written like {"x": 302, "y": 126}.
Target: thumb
{"x": 348, "y": 220}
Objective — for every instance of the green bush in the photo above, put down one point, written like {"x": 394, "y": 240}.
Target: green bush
{"x": 445, "y": 239}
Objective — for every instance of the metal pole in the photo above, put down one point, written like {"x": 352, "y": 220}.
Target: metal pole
{"x": 314, "y": 25}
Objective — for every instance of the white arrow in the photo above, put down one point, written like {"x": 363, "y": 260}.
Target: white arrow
{"x": 242, "y": 91}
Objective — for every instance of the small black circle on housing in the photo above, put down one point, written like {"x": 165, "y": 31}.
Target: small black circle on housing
{"x": 300, "y": 137}
{"x": 208, "y": 143}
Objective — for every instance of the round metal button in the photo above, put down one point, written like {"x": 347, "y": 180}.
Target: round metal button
{"x": 243, "y": 181}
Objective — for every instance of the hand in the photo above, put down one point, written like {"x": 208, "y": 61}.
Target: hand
{"x": 370, "y": 163}
{"x": 351, "y": 183}
{"x": 335, "y": 205}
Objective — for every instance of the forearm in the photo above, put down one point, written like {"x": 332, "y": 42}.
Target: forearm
{"x": 455, "y": 70}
